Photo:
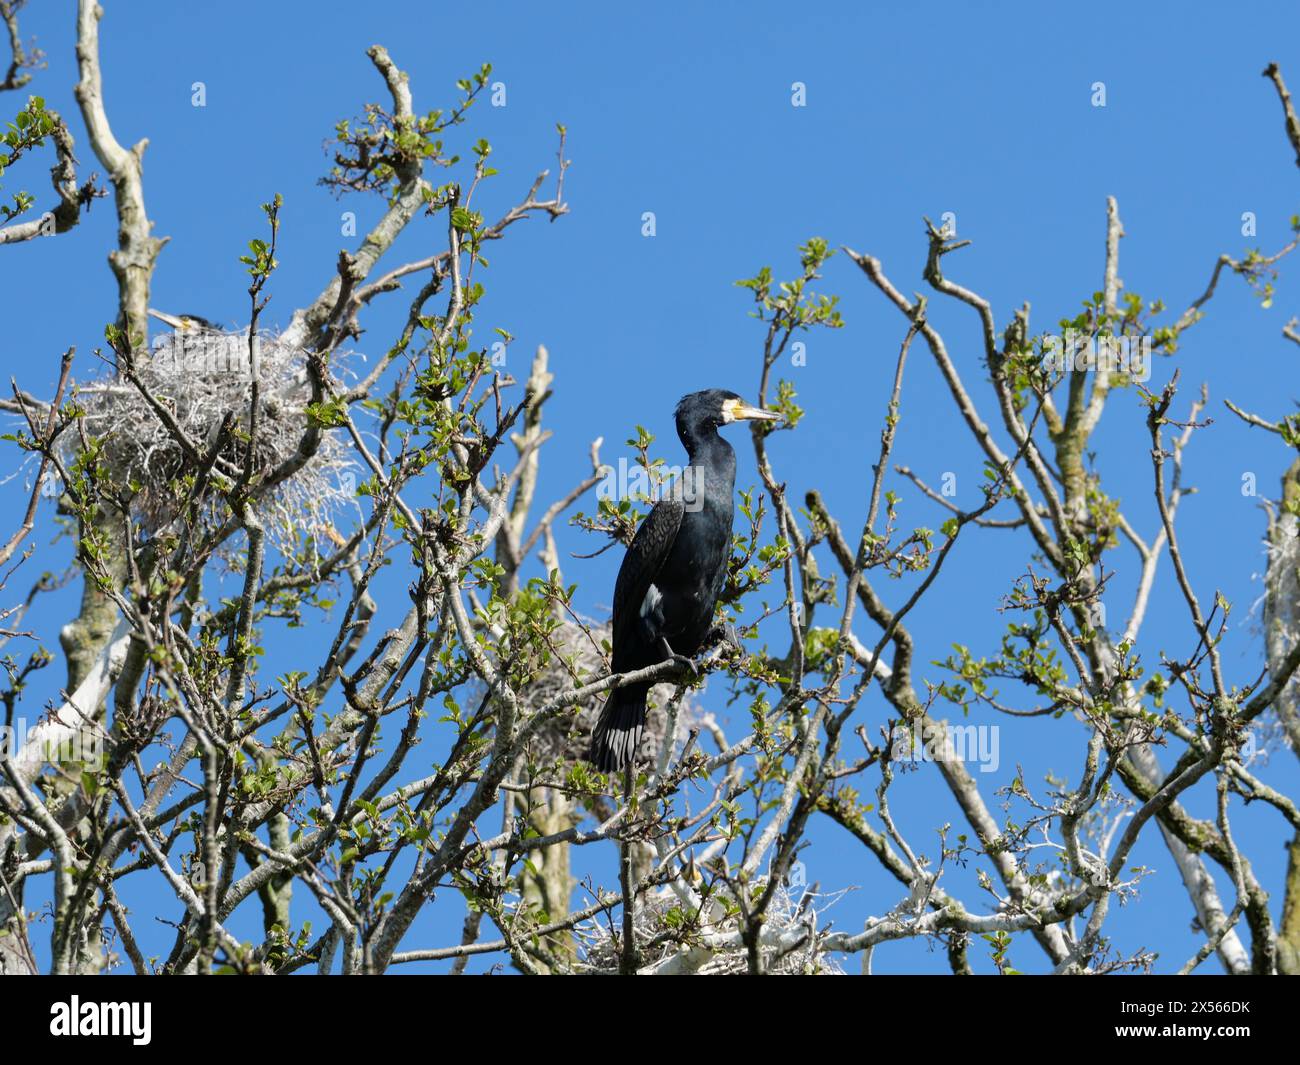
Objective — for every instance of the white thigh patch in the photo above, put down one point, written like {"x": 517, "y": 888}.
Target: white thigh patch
{"x": 650, "y": 604}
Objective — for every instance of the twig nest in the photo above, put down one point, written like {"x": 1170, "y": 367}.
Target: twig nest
{"x": 198, "y": 378}
{"x": 793, "y": 917}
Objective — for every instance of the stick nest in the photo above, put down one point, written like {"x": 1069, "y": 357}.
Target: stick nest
{"x": 197, "y": 379}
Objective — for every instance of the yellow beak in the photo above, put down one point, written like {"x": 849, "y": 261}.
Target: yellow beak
{"x": 744, "y": 412}
{"x": 178, "y": 324}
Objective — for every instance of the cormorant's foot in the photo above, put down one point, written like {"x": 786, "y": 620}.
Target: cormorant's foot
{"x": 725, "y": 632}
{"x": 687, "y": 664}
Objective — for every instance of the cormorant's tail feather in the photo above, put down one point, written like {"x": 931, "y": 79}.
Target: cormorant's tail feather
{"x": 618, "y": 732}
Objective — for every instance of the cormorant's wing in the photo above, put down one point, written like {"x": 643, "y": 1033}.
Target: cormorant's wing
{"x": 641, "y": 565}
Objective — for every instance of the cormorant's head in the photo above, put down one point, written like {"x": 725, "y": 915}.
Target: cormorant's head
{"x": 714, "y": 407}
{"x": 188, "y": 324}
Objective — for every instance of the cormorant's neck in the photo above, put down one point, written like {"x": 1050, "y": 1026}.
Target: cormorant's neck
{"x": 712, "y": 475}
{"x": 704, "y": 445}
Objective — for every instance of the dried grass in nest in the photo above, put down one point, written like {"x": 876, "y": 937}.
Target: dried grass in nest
{"x": 198, "y": 379}
{"x": 792, "y": 909}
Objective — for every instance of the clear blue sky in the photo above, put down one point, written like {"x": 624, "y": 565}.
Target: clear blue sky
{"x": 982, "y": 110}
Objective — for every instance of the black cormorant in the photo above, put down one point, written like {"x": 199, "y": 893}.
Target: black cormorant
{"x": 186, "y": 323}
{"x": 672, "y": 574}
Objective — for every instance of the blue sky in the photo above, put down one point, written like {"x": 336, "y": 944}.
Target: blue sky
{"x": 984, "y": 111}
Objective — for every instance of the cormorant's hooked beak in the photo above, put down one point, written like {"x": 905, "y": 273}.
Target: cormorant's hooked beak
{"x": 735, "y": 410}
{"x": 179, "y": 324}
